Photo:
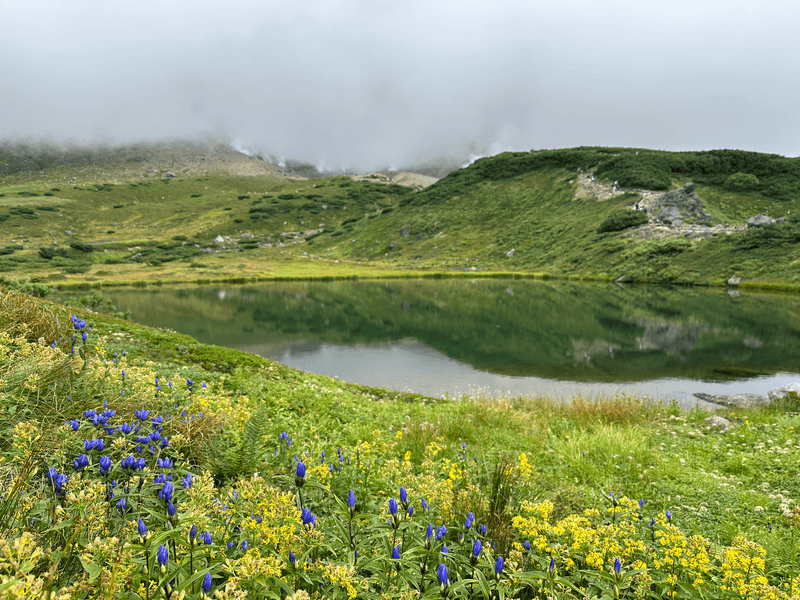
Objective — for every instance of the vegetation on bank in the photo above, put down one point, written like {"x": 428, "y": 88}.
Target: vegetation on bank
{"x": 138, "y": 463}
{"x": 60, "y": 229}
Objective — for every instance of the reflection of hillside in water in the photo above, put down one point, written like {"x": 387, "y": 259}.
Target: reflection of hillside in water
{"x": 672, "y": 338}
{"x": 566, "y": 331}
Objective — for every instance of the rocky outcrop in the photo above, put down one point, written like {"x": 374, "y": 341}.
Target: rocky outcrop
{"x": 680, "y": 206}
{"x": 735, "y": 400}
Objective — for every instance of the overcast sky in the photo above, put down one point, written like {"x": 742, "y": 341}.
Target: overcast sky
{"x": 375, "y": 83}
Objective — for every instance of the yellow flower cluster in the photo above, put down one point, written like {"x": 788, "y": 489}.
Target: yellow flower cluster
{"x": 525, "y": 468}
{"x": 342, "y": 576}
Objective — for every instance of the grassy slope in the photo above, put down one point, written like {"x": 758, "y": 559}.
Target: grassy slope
{"x": 471, "y": 218}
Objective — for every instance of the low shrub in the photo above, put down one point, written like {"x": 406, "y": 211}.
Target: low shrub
{"x": 622, "y": 219}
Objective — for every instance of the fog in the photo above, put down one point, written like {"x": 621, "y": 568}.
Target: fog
{"x": 374, "y": 84}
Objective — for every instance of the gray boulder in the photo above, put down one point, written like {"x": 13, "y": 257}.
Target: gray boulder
{"x": 759, "y": 221}
{"x": 405, "y": 231}
{"x": 736, "y": 400}
{"x": 734, "y": 280}
{"x": 781, "y": 392}
{"x": 680, "y": 206}
{"x": 510, "y": 253}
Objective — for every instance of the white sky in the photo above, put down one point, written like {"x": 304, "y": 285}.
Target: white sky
{"x": 375, "y": 83}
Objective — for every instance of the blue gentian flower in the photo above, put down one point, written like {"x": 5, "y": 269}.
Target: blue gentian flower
{"x": 351, "y": 500}
{"x": 441, "y": 531}
{"x": 81, "y": 462}
{"x": 142, "y": 528}
{"x": 207, "y": 538}
{"x": 552, "y": 564}
{"x": 308, "y": 518}
{"x": 425, "y": 505}
{"x": 162, "y": 556}
{"x": 471, "y": 516}
{"x": 441, "y": 573}
{"x": 143, "y": 413}
{"x": 467, "y": 524}
{"x": 164, "y": 463}
{"x": 410, "y": 511}
{"x": 445, "y": 550}
{"x": 669, "y": 516}
{"x": 482, "y": 529}
{"x": 193, "y": 533}
{"x": 403, "y": 495}
{"x": 429, "y": 531}
{"x": 498, "y": 565}
{"x": 166, "y": 491}
{"x": 244, "y": 545}
{"x": 527, "y": 545}
{"x": 124, "y": 428}
{"x": 300, "y": 475}
{"x": 396, "y": 553}
{"x": 75, "y": 424}
{"x": 207, "y": 581}
{"x": 292, "y": 558}
{"x": 230, "y": 545}
{"x": 392, "y": 506}
{"x": 171, "y": 510}
{"x": 476, "y": 548}
{"x": 617, "y": 566}
{"x": 187, "y": 481}
{"x": 122, "y": 505}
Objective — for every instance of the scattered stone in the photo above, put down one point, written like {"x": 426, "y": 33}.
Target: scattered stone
{"x": 781, "y": 392}
{"x": 324, "y": 207}
{"x": 219, "y": 240}
{"x": 68, "y": 232}
{"x": 717, "y": 423}
{"x": 405, "y": 231}
{"x": 734, "y": 280}
{"x": 759, "y": 221}
{"x": 752, "y": 342}
{"x": 393, "y": 245}
{"x": 169, "y": 175}
{"x": 510, "y": 253}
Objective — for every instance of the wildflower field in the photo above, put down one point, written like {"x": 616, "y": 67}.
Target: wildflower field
{"x": 138, "y": 463}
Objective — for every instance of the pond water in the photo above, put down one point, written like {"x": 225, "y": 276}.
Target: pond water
{"x": 497, "y": 337}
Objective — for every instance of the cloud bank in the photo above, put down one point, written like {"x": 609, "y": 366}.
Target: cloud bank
{"x": 369, "y": 84}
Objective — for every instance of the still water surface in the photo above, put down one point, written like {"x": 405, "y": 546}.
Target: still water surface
{"x": 497, "y": 337}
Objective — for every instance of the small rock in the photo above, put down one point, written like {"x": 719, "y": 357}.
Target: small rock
{"x": 393, "y": 245}
{"x": 718, "y": 423}
{"x": 324, "y": 207}
{"x": 405, "y": 231}
{"x": 736, "y": 400}
{"x": 689, "y": 188}
{"x": 219, "y": 240}
{"x": 169, "y": 175}
{"x": 68, "y": 232}
{"x": 734, "y": 280}
{"x": 759, "y": 221}
{"x": 510, "y": 253}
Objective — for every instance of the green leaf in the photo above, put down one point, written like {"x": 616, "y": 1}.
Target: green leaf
{"x": 92, "y": 569}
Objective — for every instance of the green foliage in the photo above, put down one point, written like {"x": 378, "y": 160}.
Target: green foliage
{"x": 741, "y": 182}
{"x": 776, "y": 235}
{"x": 48, "y": 253}
{"x": 622, "y": 219}
{"x": 82, "y": 247}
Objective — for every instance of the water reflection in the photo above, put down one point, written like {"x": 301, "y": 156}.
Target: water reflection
{"x": 433, "y": 336}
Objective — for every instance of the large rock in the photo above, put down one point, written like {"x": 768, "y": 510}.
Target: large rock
{"x": 680, "y": 206}
{"x": 781, "y": 392}
{"x": 736, "y": 400}
{"x": 759, "y": 221}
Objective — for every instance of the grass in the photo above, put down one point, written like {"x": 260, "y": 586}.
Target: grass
{"x": 506, "y": 461}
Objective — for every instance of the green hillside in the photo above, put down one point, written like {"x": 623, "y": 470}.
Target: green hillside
{"x": 60, "y": 223}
